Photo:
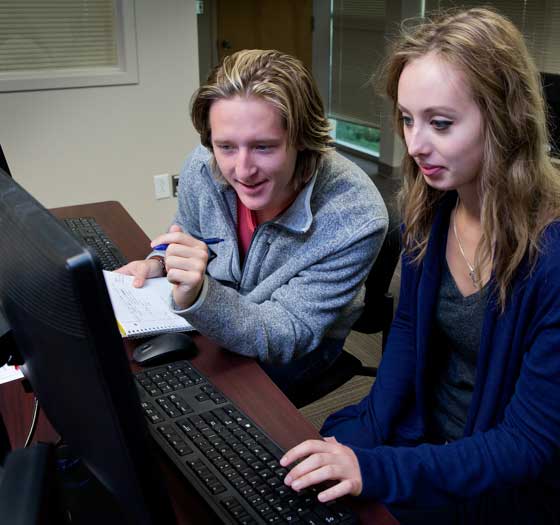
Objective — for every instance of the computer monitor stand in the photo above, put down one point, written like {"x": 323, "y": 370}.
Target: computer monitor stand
{"x": 84, "y": 499}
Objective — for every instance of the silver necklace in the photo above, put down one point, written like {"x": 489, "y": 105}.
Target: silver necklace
{"x": 472, "y": 273}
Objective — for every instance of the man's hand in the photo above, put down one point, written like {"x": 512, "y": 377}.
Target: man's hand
{"x": 324, "y": 460}
{"x": 186, "y": 259}
{"x": 142, "y": 270}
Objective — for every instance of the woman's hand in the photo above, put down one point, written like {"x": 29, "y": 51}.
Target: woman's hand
{"x": 186, "y": 259}
{"x": 324, "y": 460}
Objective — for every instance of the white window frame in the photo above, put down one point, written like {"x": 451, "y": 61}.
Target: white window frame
{"x": 126, "y": 72}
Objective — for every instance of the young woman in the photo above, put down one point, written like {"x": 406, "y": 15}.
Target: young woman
{"x": 463, "y": 422}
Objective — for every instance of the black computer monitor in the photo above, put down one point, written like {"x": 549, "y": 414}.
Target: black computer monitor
{"x": 5, "y": 347}
{"x": 55, "y": 300}
{"x": 4, "y": 163}
{"x": 551, "y": 89}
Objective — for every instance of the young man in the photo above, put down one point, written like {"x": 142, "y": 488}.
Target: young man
{"x": 275, "y": 233}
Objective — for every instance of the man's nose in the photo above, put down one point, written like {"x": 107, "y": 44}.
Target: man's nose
{"x": 244, "y": 166}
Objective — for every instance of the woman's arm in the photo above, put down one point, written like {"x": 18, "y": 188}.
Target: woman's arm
{"x": 514, "y": 452}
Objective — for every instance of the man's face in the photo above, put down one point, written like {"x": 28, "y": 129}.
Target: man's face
{"x": 251, "y": 148}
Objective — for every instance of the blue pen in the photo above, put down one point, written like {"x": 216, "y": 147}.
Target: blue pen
{"x": 209, "y": 241}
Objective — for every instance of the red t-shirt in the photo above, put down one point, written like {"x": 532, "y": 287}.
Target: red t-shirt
{"x": 246, "y": 226}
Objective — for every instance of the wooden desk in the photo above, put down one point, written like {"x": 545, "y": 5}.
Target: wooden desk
{"x": 239, "y": 378}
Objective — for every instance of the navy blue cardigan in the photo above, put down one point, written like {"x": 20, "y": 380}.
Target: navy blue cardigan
{"x": 512, "y": 433}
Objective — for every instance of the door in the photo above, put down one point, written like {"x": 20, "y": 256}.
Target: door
{"x": 285, "y": 25}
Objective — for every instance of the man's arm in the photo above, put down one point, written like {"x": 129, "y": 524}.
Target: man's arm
{"x": 298, "y": 313}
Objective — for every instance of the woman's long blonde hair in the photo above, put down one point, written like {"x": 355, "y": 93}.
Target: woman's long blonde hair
{"x": 520, "y": 188}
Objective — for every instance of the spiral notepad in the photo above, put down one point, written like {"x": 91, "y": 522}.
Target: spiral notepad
{"x": 141, "y": 312}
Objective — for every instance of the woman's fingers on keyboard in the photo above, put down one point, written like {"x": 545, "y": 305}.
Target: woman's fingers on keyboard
{"x": 337, "y": 491}
{"x": 324, "y": 460}
{"x": 300, "y": 451}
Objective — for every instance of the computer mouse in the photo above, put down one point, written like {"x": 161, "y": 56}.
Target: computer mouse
{"x": 164, "y": 349}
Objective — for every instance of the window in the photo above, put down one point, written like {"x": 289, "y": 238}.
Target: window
{"x": 359, "y": 137}
{"x": 357, "y": 47}
{"x": 66, "y": 43}
{"x": 538, "y": 20}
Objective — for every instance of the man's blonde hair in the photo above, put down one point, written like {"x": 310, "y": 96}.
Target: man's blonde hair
{"x": 284, "y": 82}
{"x": 519, "y": 187}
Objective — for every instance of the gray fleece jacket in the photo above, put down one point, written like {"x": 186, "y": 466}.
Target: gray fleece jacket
{"x": 302, "y": 278}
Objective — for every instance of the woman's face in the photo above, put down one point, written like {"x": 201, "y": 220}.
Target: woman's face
{"x": 442, "y": 125}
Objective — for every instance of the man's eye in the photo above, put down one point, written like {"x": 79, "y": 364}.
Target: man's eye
{"x": 441, "y": 125}
{"x": 224, "y": 147}
{"x": 263, "y": 147}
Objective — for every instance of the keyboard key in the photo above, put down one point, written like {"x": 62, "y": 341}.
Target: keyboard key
{"x": 217, "y": 488}
{"x": 230, "y": 503}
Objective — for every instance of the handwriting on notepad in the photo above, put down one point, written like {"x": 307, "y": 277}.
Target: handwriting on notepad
{"x": 146, "y": 310}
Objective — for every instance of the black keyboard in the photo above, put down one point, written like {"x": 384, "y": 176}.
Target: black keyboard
{"x": 89, "y": 233}
{"x": 224, "y": 455}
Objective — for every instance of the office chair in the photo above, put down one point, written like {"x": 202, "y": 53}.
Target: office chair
{"x": 376, "y": 317}
{"x": 26, "y": 487}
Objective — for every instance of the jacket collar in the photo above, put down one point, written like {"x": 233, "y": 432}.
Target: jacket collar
{"x": 428, "y": 289}
{"x": 297, "y": 218}
{"x": 434, "y": 260}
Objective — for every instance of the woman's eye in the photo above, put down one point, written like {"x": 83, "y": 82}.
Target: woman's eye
{"x": 441, "y": 125}
{"x": 224, "y": 147}
{"x": 407, "y": 121}
{"x": 262, "y": 147}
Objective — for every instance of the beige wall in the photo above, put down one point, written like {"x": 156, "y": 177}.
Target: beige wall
{"x": 71, "y": 146}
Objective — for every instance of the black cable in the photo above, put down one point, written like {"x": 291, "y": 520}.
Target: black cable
{"x": 33, "y": 426}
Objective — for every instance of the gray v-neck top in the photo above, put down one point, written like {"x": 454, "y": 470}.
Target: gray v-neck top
{"x": 456, "y": 342}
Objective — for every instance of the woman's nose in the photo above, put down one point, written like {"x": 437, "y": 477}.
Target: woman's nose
{"x": 417, "y": 142}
